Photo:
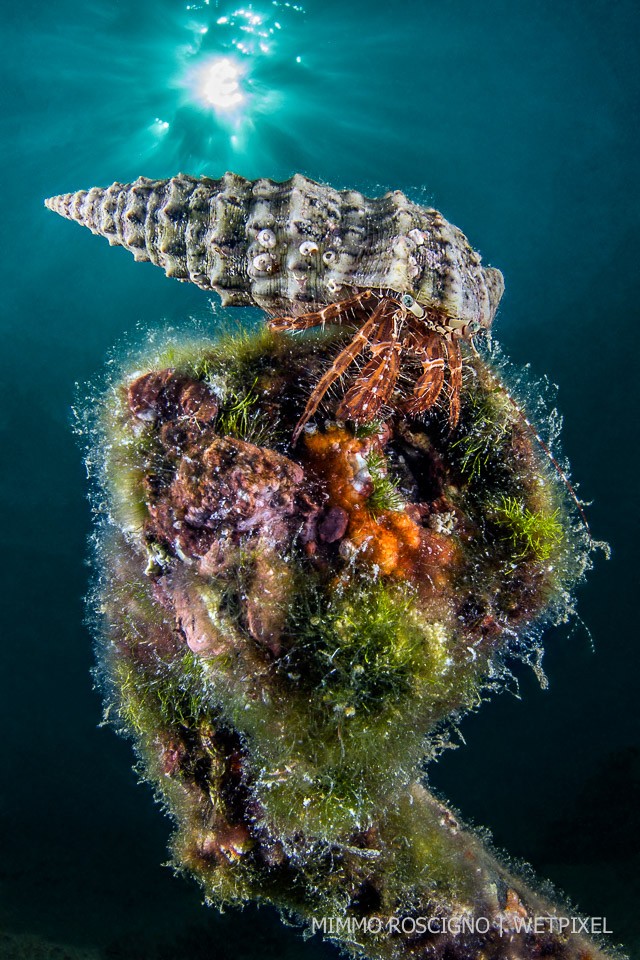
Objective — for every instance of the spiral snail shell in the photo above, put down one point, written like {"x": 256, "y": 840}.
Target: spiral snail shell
{"x": 286, "y": 246}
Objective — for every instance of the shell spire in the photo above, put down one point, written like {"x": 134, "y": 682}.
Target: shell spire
{"x": 284, "y": 246}
{"x": 163, "y": 221}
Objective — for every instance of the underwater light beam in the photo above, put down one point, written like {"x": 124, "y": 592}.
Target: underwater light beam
{"x": 220, "y": 84}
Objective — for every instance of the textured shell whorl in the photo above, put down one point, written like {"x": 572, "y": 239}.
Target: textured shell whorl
{"x": 286, "y": 246}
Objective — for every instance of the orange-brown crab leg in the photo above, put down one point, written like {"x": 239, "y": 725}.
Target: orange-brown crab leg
{"x": 330, "y": 314}
{"x": 338, "y": 367}
{"x": 376, "y": 381}
{"x": 428, "y": 386}
{"x": 454, "y": 357}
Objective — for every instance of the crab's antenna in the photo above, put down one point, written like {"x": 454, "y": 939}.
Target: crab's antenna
{"x": 545, "y": 447}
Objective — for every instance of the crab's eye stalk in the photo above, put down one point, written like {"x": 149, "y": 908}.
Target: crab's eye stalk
{"x": 410, "y": 304}
{"x": 474, "y": 327}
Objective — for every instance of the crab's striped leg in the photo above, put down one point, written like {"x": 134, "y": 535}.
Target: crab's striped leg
{"x": 377, "y": 379}
{"x": 333, "y": 313}
{"x": 454, "y": 358}
{"x": 428, "y": 387}
{"x": 342, "y": 362}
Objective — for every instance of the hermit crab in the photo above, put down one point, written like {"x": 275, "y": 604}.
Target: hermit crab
{"x": 405, "y": 278}
{"x": 396, "y": 328}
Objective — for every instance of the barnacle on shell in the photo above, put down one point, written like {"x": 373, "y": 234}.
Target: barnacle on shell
{"x": 284, "y": 246}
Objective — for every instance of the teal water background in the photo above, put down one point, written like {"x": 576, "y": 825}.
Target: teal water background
{"x": 519, "y": 122}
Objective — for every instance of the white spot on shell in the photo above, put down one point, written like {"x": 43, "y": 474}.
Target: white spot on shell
{"x": 329, "y": 256}
{"x": 417, "y": 236}
{"x": 332, "y": 286}
{"x": 267, "y": 238}
{"x": 403, "y": 246}
{"x": 264, "y": 262}
{"x": 308, "y": 248}
{"x": 413, "y": 269}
